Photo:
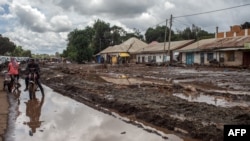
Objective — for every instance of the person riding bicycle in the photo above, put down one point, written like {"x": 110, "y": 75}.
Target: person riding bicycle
{"x": 13, "y": 71}
{"x": 33, "y": 67}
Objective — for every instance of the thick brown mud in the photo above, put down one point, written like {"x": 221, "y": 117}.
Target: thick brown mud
{"x": 166, "y": 97}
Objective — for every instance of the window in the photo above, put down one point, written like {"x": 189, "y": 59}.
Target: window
{"x": 210, "y": 56}
{"x": 230, "y": 56}
{"x": 138, "y": 60}
{"x": 149, "y": 58}
{"x": 154, "y": 58}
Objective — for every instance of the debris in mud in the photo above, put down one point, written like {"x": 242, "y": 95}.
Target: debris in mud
{"x": 123, "y": 132}
{"x": 244, "y": 118}
{"x": 180, "y": 130}
{"x": 190, "y": 88}
{"x": 152, "y": 95}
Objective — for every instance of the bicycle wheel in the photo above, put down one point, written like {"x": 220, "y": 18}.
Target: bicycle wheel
{"x": 9, "y": 87}
{"x": 31, "y": 90}
{"x": 15, "y": 87}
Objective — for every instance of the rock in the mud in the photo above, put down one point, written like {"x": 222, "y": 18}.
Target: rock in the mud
{"x": 190, "y": 88}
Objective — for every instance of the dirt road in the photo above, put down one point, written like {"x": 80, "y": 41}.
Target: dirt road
{"x": 4, "y": 105}
{"x": 166, "y": 97}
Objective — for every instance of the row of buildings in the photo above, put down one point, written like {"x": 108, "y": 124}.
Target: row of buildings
{"x": 4, "y": 59}
{"x": 230, "y": 48}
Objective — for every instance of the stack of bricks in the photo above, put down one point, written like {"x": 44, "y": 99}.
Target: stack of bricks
{"x": 235, "y": 31}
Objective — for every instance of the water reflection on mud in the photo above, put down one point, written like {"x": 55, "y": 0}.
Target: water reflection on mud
{"x": 55, "y": 117}
{"x": 214, "y": 100}
{"x": 33, "y": 111}
{"x": 123, "y": 80}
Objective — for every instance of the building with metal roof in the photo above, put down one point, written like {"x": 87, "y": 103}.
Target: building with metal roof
{"x": 158, "y": 52}
{"x": 124, "y": 52}
{"x": 228, "y": 51}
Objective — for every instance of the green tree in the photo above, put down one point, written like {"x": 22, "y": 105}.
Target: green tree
{"x": 6, "y": 46}
{"x": 82, "y": 44}
{"x": 194, "y": 32}
{"x": 246, "y": 25}
{"x": 102, "y": 37}
{"x": 18, "y": 51}
{"x": 79, "y": 45}
{"x": 26, "y": 53}
{"x": 136, "y": 33}
{"x": 158, "y": 34}
{"x": 116, "y": 34}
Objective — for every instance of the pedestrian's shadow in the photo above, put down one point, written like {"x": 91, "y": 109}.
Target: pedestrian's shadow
{"x": 33, "y": 111}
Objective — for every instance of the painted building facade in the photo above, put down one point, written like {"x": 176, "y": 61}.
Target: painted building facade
{"x": 160, "y": 52}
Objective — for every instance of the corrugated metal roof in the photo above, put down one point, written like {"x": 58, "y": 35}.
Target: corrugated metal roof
{"x": 217, "y": 43}
{"x": 227, "y": 42}
{"x": 105, "y": 50}
{"x": 159, "y": 47}
{"x": 131, "y": 45}
{"x": 229, "y": 49}
{"x": 195, "y": 45}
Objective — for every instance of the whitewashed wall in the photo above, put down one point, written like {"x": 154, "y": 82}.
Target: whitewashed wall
{"x": 158, "y": 57}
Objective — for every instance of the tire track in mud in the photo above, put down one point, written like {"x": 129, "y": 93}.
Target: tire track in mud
{"x": 152, "y": 103}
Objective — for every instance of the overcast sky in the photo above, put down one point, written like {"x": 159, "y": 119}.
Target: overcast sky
{"x": 42, "y": 25}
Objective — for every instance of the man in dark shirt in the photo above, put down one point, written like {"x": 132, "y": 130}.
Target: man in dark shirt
{"x": 33, "y": 67}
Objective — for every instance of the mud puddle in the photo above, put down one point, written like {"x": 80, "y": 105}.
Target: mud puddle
{"x": 213, "y": 100}
{"x": 124, "y": 80}
{"x": 56, "y": 117}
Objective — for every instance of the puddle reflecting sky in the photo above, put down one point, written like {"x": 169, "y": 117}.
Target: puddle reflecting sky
{"x": 128, "y": 81}
{"x": 217, "y": 101}
{"x": 60, "y": 118}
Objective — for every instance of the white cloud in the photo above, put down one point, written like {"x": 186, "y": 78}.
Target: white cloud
{"x": 61, "y": 23}
{"x": 1, "y": 10}
{"x": 43, "y": 25}
{"x": 31, "y": 18}
{"x": 48, "y": 42}
{"x": 168, "y": 5}
{"x": 2, "y": 2}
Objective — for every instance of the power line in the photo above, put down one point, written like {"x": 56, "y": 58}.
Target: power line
{"x": 144, "y": 29}
{"x": 212, "y": 11}
{"x": 188, "y": 24}
{"x": 182, "y": 22}
{"x": 202, "y": 13}
{"x": 159, "y": 23}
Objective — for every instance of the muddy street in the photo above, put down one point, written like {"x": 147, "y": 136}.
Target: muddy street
{"x": 56, "y": 117}
{"x": 195, "y": 102}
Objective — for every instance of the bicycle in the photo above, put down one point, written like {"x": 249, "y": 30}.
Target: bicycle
{"x": 6, "y": 82}
{"x": 11, "y": 82}
{"x": 32, "y": 85}
{"x": 14, "y": 84}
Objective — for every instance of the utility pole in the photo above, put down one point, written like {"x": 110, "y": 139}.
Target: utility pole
{"x": 169, "y": 37}
{"x": 100, "y": 45}
{"x": 164, "y": 52}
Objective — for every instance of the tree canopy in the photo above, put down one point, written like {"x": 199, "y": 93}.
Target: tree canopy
{"x": 6, "y": 46}
{"x": 83, "y": 44}
{"x": 246, "y": 25}
{"x": 194, "y": 32}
